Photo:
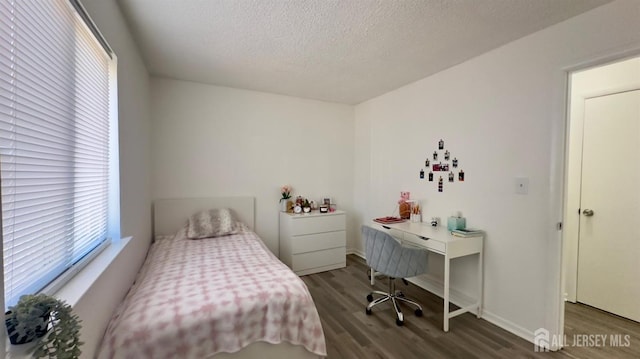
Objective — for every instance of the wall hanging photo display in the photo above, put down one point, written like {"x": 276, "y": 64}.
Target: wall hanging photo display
{"x": 442, "y": 167}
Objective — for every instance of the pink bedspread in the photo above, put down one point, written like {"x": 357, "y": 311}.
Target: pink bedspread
{"x": 195, "y": 298}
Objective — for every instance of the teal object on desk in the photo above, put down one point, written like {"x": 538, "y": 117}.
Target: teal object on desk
{"x": 456, "y": 223}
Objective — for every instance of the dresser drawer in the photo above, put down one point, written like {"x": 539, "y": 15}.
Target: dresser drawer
{"x": 319, "y": 259}
{"x": 318, "y": 241}
{"x": 317, "y": 224}
{"x": 432, "y": 244}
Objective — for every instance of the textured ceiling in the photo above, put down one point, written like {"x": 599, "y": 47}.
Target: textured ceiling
{"x": 344, "y": 51}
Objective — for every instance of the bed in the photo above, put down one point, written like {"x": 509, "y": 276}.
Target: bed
{"x": 219, "y": 297}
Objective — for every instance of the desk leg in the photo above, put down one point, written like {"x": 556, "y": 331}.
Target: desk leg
{"x": 373, "y": 276}
{"x": 480, "y": 284}
{"x": 446, "y": 294}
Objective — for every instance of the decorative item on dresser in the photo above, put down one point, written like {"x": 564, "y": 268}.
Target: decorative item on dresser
{"x": 313, "y": 242}
{"x": 284, "y": 200}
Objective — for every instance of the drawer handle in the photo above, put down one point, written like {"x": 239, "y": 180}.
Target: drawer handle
{"x": 424, "y": 238}
{"x": 385, "y": 227}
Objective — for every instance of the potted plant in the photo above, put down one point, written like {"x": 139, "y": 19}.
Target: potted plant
{"x": 284, "y": 201}
{"x": 47, "y": 320}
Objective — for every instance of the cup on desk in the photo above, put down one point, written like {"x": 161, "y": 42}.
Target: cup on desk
{"x": 416, "y": 217}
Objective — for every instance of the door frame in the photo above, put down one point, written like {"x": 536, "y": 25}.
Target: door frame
{"x": 573, "y": 200}
{"x": 559, "y": 169}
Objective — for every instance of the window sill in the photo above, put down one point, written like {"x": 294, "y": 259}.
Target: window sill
{"x": 73, "y": 291}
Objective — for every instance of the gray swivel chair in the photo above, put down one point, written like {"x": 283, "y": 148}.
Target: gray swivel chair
{"x": 388, "y": 256}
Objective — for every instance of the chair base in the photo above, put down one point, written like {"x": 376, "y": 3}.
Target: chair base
{"x": 395, "y": 297}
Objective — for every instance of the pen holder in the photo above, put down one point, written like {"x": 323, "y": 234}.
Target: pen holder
{"x": 416, "y": 217}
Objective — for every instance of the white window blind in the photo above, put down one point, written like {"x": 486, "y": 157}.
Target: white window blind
{"x": 54, "y": 142}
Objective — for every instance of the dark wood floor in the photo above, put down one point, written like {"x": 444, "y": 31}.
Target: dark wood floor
{"x": 582, "y": 320}
{"x": 350, "y": 333}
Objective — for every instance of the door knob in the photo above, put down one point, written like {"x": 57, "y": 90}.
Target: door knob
{"x": 588, "y": 212}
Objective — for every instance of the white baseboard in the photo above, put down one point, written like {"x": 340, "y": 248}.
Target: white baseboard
{"x": 357, "y": 252}
{"x": 435, "y": 286}
{"x": 508, "y": 326}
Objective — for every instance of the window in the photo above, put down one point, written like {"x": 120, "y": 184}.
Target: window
{"x": 56, "y": 141}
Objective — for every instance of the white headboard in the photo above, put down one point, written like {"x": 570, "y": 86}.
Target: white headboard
{"x": 169, "y": 215}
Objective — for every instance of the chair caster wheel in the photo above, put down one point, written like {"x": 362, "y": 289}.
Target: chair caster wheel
{"x": 418, "y": 312}
{"x": 370, "y": 298}
{"x": 368, "y": 311}
{"x": 399, "y": 322}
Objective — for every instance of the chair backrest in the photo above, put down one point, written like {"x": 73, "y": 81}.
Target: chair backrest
{"x": 388, "y": 256}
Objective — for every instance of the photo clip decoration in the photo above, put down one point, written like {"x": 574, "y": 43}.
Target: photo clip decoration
{"x": 442, "y": 166}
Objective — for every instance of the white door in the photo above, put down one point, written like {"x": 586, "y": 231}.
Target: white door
{"x": 609, "y": 244}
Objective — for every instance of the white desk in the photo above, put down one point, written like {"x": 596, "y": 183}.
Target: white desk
{"x": 439, "y": 240}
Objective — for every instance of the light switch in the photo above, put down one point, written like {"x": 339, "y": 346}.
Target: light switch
{"x": 522, "y": 185}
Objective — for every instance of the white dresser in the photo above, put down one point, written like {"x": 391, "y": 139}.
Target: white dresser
{"x": 313, "y": 242}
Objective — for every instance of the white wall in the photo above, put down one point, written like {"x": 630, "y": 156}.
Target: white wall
{"x": 97, "y": 305}
{"x": 620, "y": 76}
{"x": 212, "y": 141}
{"x": 502, "y": 115}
